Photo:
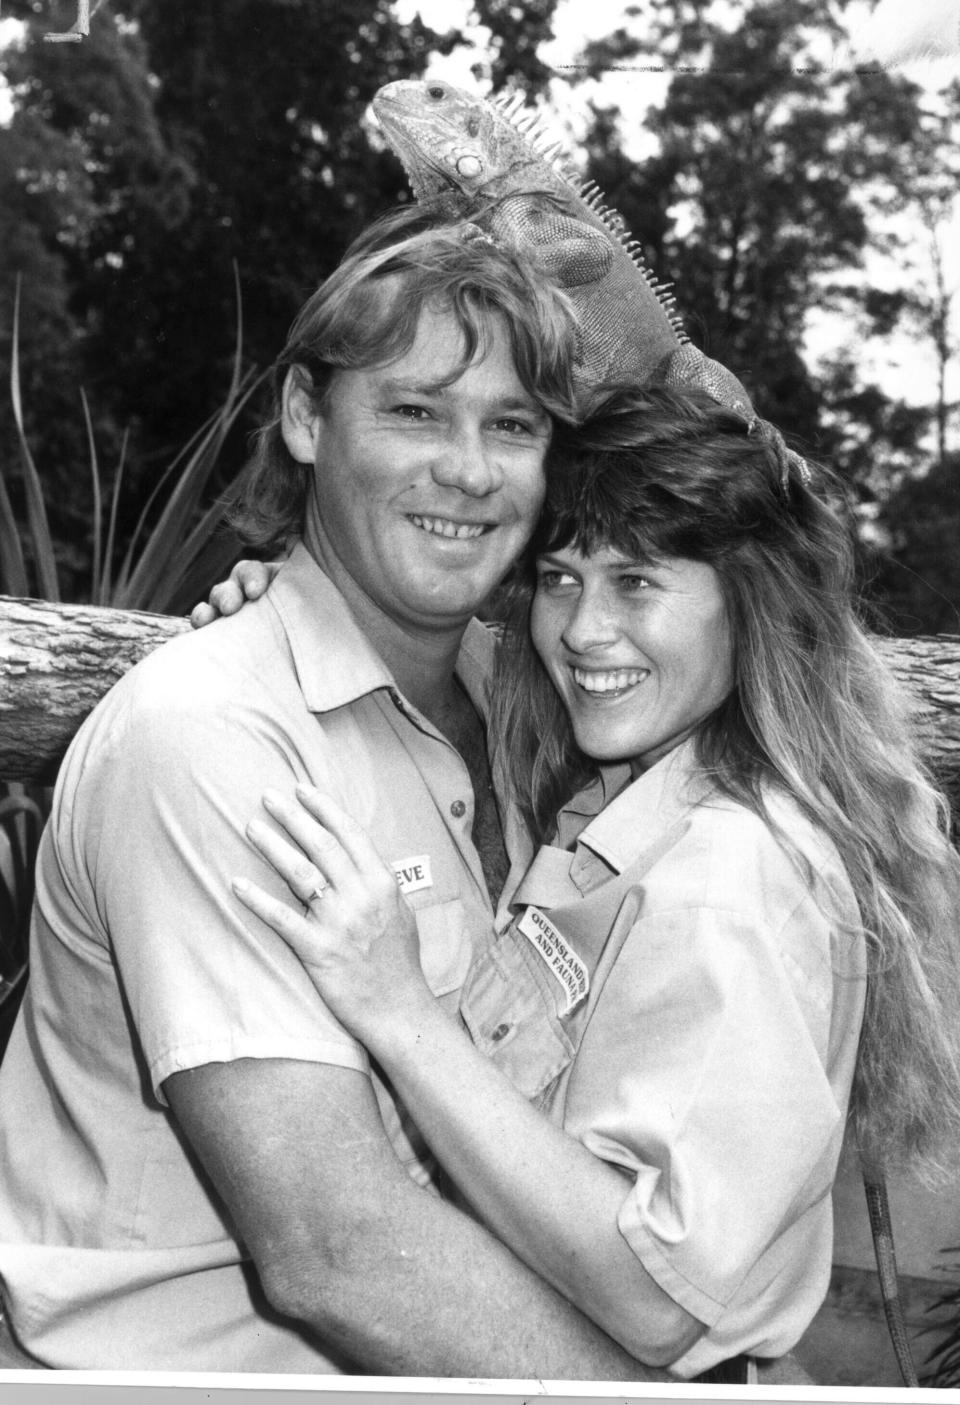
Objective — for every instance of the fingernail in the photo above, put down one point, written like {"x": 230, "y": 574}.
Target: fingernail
{"x": 272, "y": 799}
{"x": 240, "y": 885}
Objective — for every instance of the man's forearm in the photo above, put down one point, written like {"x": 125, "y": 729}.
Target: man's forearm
{"x": 345, "y": 1242}
{"x": 443, "y": 1297}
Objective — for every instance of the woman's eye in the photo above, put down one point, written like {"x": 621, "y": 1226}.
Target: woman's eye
{"x": 511, "y": 426}
{"x": 633, "y": 584}
{"x": 555, "y": 580}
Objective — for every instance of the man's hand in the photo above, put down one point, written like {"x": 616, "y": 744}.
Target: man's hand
{"x": 248, "y": 580}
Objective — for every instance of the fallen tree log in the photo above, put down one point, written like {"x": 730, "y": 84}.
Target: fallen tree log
{"x": 57, "y": 661}
{"x": 929, "y": 668}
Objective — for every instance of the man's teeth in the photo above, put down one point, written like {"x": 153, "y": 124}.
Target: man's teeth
{"x": 612, "y": 681}
{"x": 443, "y": 527}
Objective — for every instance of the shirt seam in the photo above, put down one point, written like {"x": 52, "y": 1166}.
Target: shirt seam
{"x": 673, "y": 1280}
{"x": 180, "y": 1059}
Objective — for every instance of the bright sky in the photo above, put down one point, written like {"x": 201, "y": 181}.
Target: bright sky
{"x": 8, "y": 28}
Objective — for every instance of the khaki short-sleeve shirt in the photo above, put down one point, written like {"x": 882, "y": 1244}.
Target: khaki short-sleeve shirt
{"x": 112, "y": 1252}
{"x": 682, "y": 988}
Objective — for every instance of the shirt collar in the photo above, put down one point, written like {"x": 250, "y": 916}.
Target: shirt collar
{"x": 589, "y": 801}
{"x": 475, "y": 662}
{"x": 618, "y": 830}
{"x": 335, "y": 662}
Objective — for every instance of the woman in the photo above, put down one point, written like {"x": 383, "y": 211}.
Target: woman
{"x": 743, "y": 921}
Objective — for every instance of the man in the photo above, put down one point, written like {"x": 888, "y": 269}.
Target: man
{"x": 200, "y": 1171}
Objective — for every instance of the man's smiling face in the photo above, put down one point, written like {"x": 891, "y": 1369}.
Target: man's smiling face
{"x": 424, "y": 492}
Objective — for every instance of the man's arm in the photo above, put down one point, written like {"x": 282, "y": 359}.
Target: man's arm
{"x": 348, "y": 1245}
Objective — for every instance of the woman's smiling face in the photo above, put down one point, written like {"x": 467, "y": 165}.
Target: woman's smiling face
{"x": 639, "y": 651}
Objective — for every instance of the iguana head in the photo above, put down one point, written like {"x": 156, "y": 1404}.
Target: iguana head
{"x": 451, "y": 140}
{"x": 488, "y": 163}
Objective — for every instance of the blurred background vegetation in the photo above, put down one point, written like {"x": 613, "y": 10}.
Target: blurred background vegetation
{"x": 181, "y": 142}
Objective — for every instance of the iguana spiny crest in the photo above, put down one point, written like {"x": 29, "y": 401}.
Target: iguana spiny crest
{"x": 489, "y": 162}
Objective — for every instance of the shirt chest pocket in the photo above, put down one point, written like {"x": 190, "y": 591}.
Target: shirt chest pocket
{"x": 445, "y": 945}
{"x": 512, "y": 1017}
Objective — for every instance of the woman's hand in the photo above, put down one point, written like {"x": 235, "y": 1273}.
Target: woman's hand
{"x": 247, "y": 581}
{"x": 358, "y": 937}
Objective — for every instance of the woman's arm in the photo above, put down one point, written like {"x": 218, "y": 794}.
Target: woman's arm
{"x": 544, "y": 1195}
{"x": 247, "y": 581}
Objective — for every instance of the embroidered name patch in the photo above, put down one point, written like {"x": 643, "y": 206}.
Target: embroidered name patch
{"x": 413, "y": 874}
{"x": 560, "y": 957}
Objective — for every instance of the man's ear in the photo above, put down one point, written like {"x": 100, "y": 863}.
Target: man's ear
{"x": 299, "y": 423}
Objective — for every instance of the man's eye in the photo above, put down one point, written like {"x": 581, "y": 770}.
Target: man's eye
{"x": 412, "y": 412}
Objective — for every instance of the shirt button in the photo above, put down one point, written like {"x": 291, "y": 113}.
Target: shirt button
{"x": 499, "y": 1033}
{"x": 458, "y": 809}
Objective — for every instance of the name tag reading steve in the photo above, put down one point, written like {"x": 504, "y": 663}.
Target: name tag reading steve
{"x": 560, "y": 958}
{"x": 413, "y": 874}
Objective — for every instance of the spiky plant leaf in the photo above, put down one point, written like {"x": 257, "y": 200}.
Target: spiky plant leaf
{"x": 43, "y": 551}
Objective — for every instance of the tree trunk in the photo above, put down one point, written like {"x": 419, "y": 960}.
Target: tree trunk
{"x": 57, "y": 661}
{"x": 929, "y": 668}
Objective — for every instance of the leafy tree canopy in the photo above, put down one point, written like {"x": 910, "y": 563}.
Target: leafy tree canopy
{"x": 145, "y": 161}
{"x": 772, "y": 180}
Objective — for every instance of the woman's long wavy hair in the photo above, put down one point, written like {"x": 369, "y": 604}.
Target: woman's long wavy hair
{"x": 367, "y": 313}
{"x": 813, "y": 711}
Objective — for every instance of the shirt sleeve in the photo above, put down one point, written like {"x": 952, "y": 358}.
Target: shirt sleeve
{"x": 711, "y": 1089}
{"x": 167, "y": 796}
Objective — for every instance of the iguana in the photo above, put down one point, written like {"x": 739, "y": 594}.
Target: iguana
{"x": 488, "y": 163}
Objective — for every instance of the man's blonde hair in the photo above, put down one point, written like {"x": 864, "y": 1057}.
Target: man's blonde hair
{"x": 367, "y": 313}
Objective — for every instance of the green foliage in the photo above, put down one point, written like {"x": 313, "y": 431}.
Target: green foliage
{"x": 917, "y": 581}
{"x": 138, "y": 167}
{"x": 44, "y": 555}
{"x": 179, "y": 548}
{"x": 517, "y": 32}
{"x": 772, "y": 178}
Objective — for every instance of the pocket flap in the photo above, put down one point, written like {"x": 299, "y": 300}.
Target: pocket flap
{"x": 511, "y": 1020}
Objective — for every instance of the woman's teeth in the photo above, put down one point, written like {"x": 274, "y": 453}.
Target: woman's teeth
{"x": 614, "y": 680}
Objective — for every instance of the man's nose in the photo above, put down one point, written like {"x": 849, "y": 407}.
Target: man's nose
{"x": 591, "y": 624}
{"x": 470, "y": 464}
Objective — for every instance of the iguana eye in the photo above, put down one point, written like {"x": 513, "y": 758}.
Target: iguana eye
{"x": 436, "y": 92}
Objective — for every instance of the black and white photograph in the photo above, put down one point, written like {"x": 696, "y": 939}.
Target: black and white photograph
{"x": 479, "y": 700}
